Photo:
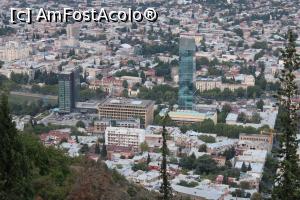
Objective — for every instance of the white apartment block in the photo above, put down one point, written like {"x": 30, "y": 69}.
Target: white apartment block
{"x": 14, "y": 51}
{"x": 203, "y": 84}
{"x": 124, "y": 137}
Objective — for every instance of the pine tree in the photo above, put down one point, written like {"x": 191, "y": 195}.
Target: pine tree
{"x": 165, "y": 187}
{"x": 14, "y": 165}
{"x": 287, "y": 182}
{"x": 103, "y": 152}
{"x": 244, "y": 167}
{"x": 249, "y": 167}
{"x": 225, "y": 180}
{"x": 97, "y": 148}
{"x": 148, "y": 159}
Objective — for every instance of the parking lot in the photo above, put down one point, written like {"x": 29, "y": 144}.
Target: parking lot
{"x": 68, "y": 119}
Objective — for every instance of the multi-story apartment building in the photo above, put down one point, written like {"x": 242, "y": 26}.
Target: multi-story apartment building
{"x": 255, "y": 142}
{"x": 110, "y": 85}
{"x": 203, "y": 84}
{"x": 101, "y": 125}
{"x": 14, "y": 51}
{"x": 124, "y": 109}
{"x": 124, "y": 137}
{"x": 73, "y": 31}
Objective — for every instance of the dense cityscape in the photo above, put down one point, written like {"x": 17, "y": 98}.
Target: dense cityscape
{"x": 200, "y": 104}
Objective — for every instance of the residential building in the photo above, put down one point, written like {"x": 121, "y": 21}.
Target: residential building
{"x": 262, "y": 141}
{"x": 124, "y": 137}
{"x": 14, "y": 51}
{"x": 101, "y": 125}
{"x": 73, "y": 31}
{"x": 203, "y": 84}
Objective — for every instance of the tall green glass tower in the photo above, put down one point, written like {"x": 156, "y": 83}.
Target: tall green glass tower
{"x": 187, "y": 65}
{"x": 68, "y": 90}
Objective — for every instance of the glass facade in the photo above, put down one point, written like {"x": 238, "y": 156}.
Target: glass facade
{"x": 68, "y": 88}
{"x": 187, "y": 67}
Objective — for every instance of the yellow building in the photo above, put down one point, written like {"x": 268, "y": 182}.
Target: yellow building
{"x": 191, "y": 116}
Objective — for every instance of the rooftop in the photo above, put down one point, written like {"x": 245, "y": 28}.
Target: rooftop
{"x": 191, "y": 113}
{"x": 124, "y": 102}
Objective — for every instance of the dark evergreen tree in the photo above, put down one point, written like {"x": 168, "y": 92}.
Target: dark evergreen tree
{"x": 249, "y": 167}
{"x": 287, "y": 183}
{"x": 225, "y": 180}
{"x": 260, "y": 105}
{"x": 148, "y": 159}
{"x": 14, "y": 164}
{"x": 104, "y": 151}
{"x": 165, "y": 187}
{"x": 244, "y": 167}
{"x": 97, "y": 148}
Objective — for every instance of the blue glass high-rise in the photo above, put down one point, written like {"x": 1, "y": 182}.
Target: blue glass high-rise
{"x": 187, "y": 67}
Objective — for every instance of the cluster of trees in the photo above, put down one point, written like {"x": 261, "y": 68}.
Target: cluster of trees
{"x": 239, "y": 32}
{"x": 241, "y": 193}
{"x": 203, "y": 61}
{"x": 37, "y": 129}
{"x": 259, "y": 55}
{"x": 221, "y": 129}
{"x": 222, "y": 115}
{"x": 206, "y": 165}
{"x": 45, "y": 89}
{"x": 24, "y": 164}
{"x": 246, "y": 168}
{"x": 249, "y": 70}
{"x": 163, "y": 69}
{"x": 170, "y": 47}
{"x": 6, "y": 30}
{"x": 88, "y": 94}
{"x": 50, "y": 78}
{"x": 21, "y": 78}
{"x": 229, "y": 153}
{"x": 59, "y": 32}
{"x": 160, "y": 94}
{"x": 140, "y": 166}
{"x": 214, "y": 71}
{"x": 260, "y": 105}
{"x": 188, "y": 184}
{"x": 6, "y": 84}
{"x": 228, "y": 95}
{"x": 29, "y": 108}
{"x": 80, "y": 124}
{"x": 260, "y": 45}
{"x": 1, "y": 63}
{"x": 269, "y": 175}
{"x": 127, "y": 73}
{"x": 243, "y": 118}
{"x": 202, "y": 165}
{"x": 207, "y": 138}
{"x": 94, "y": 38}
